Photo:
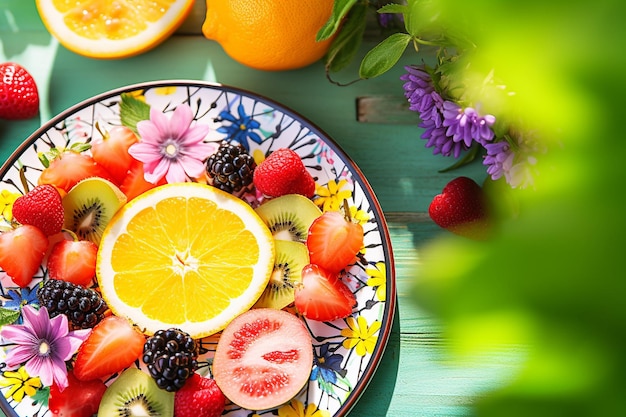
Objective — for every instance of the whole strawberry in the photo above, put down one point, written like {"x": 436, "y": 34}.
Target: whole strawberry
{"x": 462, "y": 209}
{"x": 199, "y": 397}
{"x": 19, "y": 98}
{"x": 40, "y": 207}
{"x": 283, "y": 173}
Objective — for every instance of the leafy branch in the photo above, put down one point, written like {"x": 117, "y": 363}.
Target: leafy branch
{"x": 348, "y": 23}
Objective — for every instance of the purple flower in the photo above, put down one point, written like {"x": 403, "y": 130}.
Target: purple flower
{"x": 424, "y": 99}
{"x": 417, "y": 88}
{"x": 499, "y": 159}
{"x": 172, "y": 148}
{"x": 438, "y": 139}
{"x": 43, "y": 344}
{"x": 465, "y": 124}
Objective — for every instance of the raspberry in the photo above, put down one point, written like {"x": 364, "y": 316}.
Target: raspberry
{"x": 283, "y": 173}
{"x": 230, "y": 168}
{"x": 171, "y": 356}
{"x": 83, "y": 307}
{"x": 199, "y": 397}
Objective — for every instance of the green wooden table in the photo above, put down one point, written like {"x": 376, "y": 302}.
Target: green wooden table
{"x": 414, "y": 378}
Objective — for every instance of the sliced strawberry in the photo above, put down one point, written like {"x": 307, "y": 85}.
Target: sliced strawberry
{"x": 68, "y": 167}
{"x": 199, "y": 397}
{"x": 21, "y": 252}
{"x": 334, "y": 241}
{"x": 73, "y": 261}
{"x": 78, "y": 399}
{"x": 134, "y": 183}
{"x": 322, "y": 295}
{"x": 111, "y": 151}
{"x": 113, "y": 345}
{"x": 40, "y": 207}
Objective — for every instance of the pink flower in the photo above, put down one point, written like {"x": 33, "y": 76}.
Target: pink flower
{"x": 172, "y": 148}
{"x": 43, "y": 345}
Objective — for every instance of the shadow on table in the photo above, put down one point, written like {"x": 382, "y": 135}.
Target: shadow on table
{"x": 381, "y": 387}
{"x": 16, "y": 20}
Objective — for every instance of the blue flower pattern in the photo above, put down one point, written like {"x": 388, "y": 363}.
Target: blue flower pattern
{"x": 241, "y": 127}
{"x": 19, "y": 298}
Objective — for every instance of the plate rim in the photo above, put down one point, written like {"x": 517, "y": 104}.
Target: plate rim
{"x": 390, "y": 302}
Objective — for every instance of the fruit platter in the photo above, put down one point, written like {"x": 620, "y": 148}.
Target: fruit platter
{"x": 182, "y": 248}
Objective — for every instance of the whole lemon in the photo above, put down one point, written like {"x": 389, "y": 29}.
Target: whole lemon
{"x": 270, "y": 35}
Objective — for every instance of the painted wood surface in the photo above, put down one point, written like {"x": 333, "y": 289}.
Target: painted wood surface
{"x": 414, "y": 378}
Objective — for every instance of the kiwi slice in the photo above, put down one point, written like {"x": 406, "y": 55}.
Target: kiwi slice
{"x": 136, "y": 394}
{"x": 289, "y": 216}
{"x": 290, "y": 258}
{"x": 90, "y": 205}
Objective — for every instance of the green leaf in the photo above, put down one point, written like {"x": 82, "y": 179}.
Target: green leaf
{"x": 392, "y": 8}
{"x": 79, "y": 147}
{"x": 384, "y": 56}
{"x": 340, "y": 10}
{"x": 132, "y": 111}
{"x": 8, "y": 316}
{"x": 413, "y": 18}
{"x": 41, "y": 396}
{"x": 345, "y": 46}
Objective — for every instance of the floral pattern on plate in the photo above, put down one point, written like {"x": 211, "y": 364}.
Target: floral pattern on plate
{"x": 346, "y": 351}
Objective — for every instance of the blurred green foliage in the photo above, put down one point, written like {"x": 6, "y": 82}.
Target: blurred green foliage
{"x": 552, "y": 281}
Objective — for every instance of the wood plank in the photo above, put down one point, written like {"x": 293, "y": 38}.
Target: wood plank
{"x": 388, "y": 109}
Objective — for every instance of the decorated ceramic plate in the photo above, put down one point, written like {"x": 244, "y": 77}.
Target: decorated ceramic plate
{"x": 347, "y": 351}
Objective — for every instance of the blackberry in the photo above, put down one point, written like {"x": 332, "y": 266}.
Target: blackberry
{"x": 171, "y": 356}
{"x": 83, "y": 307}
{"x": 230, "y": 168}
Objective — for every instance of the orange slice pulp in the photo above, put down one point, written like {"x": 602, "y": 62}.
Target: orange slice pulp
{"x": 112, "y": 28}
{"x": 184, "y": 255}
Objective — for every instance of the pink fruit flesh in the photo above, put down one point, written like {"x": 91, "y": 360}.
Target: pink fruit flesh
{"x": 263, "y": 359}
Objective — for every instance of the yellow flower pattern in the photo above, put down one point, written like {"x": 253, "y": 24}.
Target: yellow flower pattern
{"x": 20, "y": 384}
{"x": 360, "y": 336}
{"x": 138, "y": 94}
{"x": 296, "y": 408}
{"x": 7, "y": 198}
{"x": 361, "y": 216}
{"x": 331, "y": 196}
{"x": 378, "y": 279}
{"x": 165, "y": 91}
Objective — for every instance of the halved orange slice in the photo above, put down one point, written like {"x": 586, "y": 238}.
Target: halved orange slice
{"x": 184, "y": 255}
{"x": 112, "y": 28}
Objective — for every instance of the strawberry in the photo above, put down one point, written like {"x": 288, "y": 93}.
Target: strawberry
{"x": 40, "y": 207}
{"x": 334, "y": 240}
{"x": 78, "y": 399}
{"x": 283, "y": 173}
{"x": 112, "y": 345}
{"x": 111, "y": 151}
{"x": 19, "y": 98}
{"x": 199, "y": 397}
{"x": 65, "y": 168}
{"x": 21, "y": 252}
{"x": 322, "y": 295}
{"x": 462, "y": 209}
{"x": 134, "y": 183}
{"x": 73, "y": 261}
